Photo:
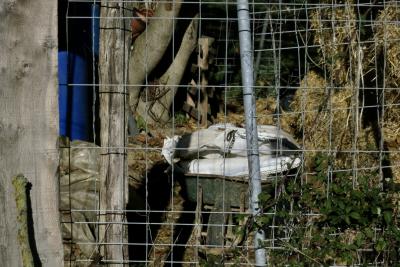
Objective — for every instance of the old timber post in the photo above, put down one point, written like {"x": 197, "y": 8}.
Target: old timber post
{"x": 114, "y": 47}
{"x": 29, "y": 128}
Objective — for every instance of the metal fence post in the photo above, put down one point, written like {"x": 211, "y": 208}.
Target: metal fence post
{"x": 246, "y": 60}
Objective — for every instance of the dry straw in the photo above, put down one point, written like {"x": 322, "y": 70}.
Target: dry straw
{"x": 387, "y": 43}
{"x": 326, "y": 123}
{"x": 334, "y": 29}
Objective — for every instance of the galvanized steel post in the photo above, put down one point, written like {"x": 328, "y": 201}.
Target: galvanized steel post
{"x": 246, "y": 60}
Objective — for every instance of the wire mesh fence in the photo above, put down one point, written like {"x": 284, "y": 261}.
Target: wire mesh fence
{"x": 160, "y": 177}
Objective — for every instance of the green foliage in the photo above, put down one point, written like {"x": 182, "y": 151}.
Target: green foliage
{"x": 211, "y": 261}
{"x": 180, "y": 118}
{"x": 140, "y": 122}
{"x": 331, "y": 221}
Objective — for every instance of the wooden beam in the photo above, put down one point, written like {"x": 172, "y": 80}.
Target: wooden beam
{"x": 29, "y": 126}
{"x": 114, "y": 46}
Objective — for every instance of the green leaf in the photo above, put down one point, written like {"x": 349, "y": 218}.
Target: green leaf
{"x": 355, "y": 215}
{"x": 360, "y": 240}
{"x": 376, "y": 210}
{"x": 341, "y": 205}
{"x": 263, "y": 220}
{"x": 369, "y": 232}
{"x": 348, "y": 209}
{"x": 264, "y": 197}
{"x": 328, "y": 207}
{"x": 240, "y": 217}
{"x": 380, "y": 244}
{"x": 396, "y": 232}
{"x": 357, "y": 194}
{"x": 387, "y": 215}
{"x": 347, "y": 219}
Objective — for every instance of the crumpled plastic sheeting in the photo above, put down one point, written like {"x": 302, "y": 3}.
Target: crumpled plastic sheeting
{"x": 222, "y": 150}
{"x": 79, "y": 168}
{"x": 84, "y": 156}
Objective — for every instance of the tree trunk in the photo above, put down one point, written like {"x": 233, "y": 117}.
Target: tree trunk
{"x": 29, "y": 127}
{"x": 158, "y": 110}
{"x": 114, "y": 46}
{"x": 150, "y": 46}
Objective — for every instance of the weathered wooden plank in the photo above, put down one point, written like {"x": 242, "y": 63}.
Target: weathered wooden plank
{"x": 114, "y": 45}
{"x": 29, "y": 125}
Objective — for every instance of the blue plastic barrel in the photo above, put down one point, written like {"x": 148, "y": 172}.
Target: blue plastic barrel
{"x": 74, "y": 100}
{"x": 95, "y": 28}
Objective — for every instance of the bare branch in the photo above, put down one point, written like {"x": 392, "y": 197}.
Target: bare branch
{"x": 171, "y": 78}
{"x": 150, "y": 46}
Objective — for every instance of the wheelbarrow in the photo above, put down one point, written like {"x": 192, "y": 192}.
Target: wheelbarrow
{"x": 218, "y": 198}
{"x": 213, "y": 169}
